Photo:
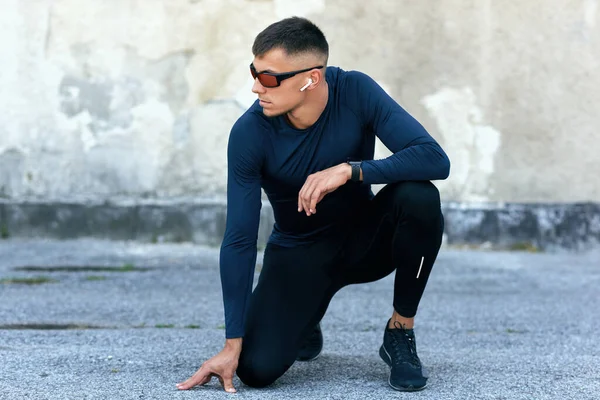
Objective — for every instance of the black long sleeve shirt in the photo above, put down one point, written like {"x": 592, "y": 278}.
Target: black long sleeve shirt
{"x": 269, "y": 153}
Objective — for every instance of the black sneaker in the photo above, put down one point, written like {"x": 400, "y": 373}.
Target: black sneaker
{"x": 312, "y": 346}
{"x": 399, "y": 351}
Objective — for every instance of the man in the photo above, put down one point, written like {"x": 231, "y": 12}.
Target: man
{"x": 309, "y": 142}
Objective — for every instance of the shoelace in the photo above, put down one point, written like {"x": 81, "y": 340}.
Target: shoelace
{"x": 404, "y": 347}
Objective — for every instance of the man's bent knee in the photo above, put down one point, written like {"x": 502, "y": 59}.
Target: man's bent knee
{"x": 259, "y": 371}
{"x": 418, "y": 199}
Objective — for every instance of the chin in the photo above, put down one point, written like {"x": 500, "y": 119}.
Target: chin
{"x": 272, "y": 113}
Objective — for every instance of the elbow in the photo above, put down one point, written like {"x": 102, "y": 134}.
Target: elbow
{"x": 444, "y": 168}
{"x": 238, "y": 245}
{"x": 442, "y": 164}
{"x": 238, "y": 240}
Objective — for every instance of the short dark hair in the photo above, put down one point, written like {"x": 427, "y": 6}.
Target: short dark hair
{"x": 294, "y": 35}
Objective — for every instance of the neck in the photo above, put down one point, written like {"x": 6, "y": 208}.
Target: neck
{"x": 305, "y": 115}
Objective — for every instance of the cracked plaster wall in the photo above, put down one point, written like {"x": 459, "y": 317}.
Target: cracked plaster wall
{"x": 136, "y": 98}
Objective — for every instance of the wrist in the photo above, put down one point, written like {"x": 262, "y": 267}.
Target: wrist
{"x": 347, "y": 168}
{"x": 234, "y": 344}
{"x": 355, "y": 168}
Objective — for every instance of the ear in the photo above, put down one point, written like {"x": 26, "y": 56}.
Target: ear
{"x": 316, "y": 76}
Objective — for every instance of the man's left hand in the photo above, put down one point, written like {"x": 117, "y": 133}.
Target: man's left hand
{"x": 319, "y": 184}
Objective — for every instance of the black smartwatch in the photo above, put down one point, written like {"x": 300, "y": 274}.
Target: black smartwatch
{"x": 355, "y": 177}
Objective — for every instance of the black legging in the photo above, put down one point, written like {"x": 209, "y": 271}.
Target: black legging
{"x": 400, "y": 229}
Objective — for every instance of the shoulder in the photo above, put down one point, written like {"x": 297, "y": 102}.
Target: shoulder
{"x": 359, "y": 92}
{"x": 348, "y": 80}
{"x": 250, "y": 127}
{"x": 355, "y": 88}
{"x": 252, "y": 120}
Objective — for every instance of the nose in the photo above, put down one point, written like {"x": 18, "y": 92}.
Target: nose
{"x": 257, "y": 87}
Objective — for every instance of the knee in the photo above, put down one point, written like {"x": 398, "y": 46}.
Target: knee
{"x": 257, "y": 371}
{"x": 418, "y": 199}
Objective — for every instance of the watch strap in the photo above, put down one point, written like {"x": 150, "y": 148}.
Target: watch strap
{"x": 355, "y": 177}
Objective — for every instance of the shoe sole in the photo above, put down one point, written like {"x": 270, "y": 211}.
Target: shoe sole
{"x": 311, "y": 359}
{"x": 388, "y": 360}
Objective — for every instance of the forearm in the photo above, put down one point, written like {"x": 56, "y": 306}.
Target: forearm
{"x": 420, "y": 162}
{"x": 237, "y": 270}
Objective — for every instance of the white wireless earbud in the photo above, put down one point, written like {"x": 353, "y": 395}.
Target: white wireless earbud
{"x": 307, "y": 85}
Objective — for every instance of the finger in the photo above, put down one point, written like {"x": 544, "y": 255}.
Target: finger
{"x": 309, "y": 199}
{"x": 300, "y": 200}
{"x": 314, "y": 199}
{"x": 306, "y": 198}
{"x": 307, "y": 206}
{"x": 228, "y": 385}
{"x": 301, "y": 194}
{"x": 201, "y": 377}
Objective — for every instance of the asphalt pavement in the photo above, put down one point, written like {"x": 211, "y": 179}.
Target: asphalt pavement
{"x": 89, "y": 319}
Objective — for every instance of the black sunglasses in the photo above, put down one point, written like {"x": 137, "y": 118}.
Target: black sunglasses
{"x": 271, "y": 79}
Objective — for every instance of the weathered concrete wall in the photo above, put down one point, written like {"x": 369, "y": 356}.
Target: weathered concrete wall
{"x": 134, "y": 98}
{"x": 533, "y": 227}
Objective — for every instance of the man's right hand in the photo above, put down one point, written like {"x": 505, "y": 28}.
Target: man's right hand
{"x": 223, "y": 366}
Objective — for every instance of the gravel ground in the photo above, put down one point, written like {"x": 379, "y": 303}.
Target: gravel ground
{"x": 491, "y": 325}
